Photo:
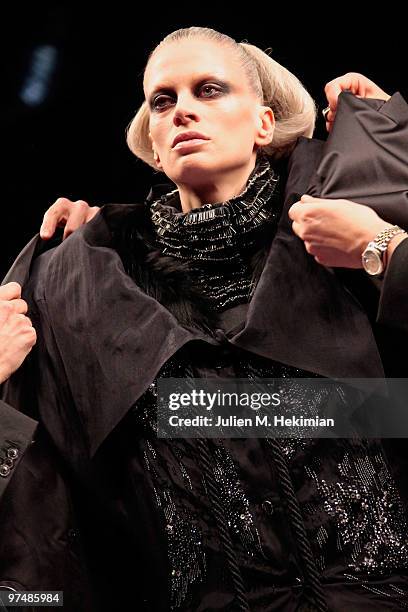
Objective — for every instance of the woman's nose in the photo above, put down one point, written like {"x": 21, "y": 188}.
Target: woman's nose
{"x": 185, "y": 111}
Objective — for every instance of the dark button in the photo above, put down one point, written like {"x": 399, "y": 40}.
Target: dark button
{"x": 267, "y": 507}
{"x": 12, "y": 452}
{"x": 73, "y": 534}
{"x": 299, "y": 583}
{"x": 222, "y": 363}
{"x": 8, "y": 462}
{"x": 4, "y": 470}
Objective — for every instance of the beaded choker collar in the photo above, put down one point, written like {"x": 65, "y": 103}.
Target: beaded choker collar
{"x": 221, "y": 231}
{"x": 221, "y": 241}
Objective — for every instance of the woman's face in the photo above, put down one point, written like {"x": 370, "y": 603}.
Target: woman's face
{"x": 197, "y": 90}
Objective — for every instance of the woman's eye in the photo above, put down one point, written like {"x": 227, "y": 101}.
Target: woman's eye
{"x": 209, "y": 90}
{"x": 161, "y": 102}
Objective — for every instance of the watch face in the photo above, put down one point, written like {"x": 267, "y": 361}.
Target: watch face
{"x": 372, "y": 262}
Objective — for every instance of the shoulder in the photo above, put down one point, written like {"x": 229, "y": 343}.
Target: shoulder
{"x": 98, "y": 233}
{"x": 93, "y": 245}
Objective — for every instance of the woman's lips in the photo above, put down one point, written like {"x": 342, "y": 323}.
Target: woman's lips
{"x": 192, "y": 143}
{"x": 188, "y": 135}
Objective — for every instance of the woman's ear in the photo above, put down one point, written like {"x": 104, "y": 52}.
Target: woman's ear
{"x": 265, "y": 127}
{"x": 155, "y": 154}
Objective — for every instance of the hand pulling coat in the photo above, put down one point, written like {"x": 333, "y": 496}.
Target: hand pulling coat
{"x": 102, "y": 341}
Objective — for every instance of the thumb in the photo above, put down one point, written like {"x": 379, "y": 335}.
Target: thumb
{"x": 307, "y": 198}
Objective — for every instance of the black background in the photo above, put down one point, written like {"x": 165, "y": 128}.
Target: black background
{"x": 73, "y": 144}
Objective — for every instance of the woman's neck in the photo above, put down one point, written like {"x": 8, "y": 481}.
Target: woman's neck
{"x": 228, "y": 185}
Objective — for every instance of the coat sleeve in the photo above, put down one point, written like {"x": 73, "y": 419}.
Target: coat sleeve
{"x": 40, "y": 542}
{"x": 392, "y": 311}
{"x": 16, "y": 434}
{"x": 16, "y": 428}
{"x": 365, "y": 160}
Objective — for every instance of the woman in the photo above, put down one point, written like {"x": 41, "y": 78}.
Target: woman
{"x": 138, "y": 294}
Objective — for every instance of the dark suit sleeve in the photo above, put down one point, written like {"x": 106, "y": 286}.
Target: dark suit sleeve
{"x": 40, "y": 543}
{"x": 16, "y": 435}
{"x": 16, "y": 428}
{"x": 392, "y": 311}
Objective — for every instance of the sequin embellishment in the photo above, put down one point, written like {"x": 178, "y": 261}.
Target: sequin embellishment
{"x": 235, "y": 502}
{"x": 390, "y": 591}
{"x": 366, "y": 509}
{"x": 186, "y": 555}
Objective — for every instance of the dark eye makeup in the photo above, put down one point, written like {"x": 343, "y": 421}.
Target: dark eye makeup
{"x": 161, "y": 99}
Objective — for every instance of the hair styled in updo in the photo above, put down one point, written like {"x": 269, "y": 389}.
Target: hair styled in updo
{"x": 275, "y": 86}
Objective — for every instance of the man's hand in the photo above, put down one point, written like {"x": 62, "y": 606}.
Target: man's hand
{"x": 68, "y": 214}
{"x": 17, "y": 335}
{"x": 358, "y": 84}
{"x": 335, "y": 232}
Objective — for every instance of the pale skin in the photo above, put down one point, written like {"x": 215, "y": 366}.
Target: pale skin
{"x": 17, "y": 335}
{"x": 358, "y": 84}
{"x": 200, "y": 86}
{"x": 68, "y": 214}
{"x": 335, "y": 232}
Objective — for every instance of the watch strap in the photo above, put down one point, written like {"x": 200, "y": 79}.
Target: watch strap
{"x": 380, "y": 244}
{"x": 383, "y": 238}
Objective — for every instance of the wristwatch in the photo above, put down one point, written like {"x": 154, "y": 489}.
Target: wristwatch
{"x": 373, "y": 256}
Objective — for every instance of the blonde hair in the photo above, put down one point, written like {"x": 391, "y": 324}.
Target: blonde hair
{"x": 275, "y": 86}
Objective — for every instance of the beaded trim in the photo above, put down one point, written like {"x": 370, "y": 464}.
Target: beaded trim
{"x": 391, "y": 591}
{"x": 213, "y": 231}
{"x": 187, "y": 558}
{"x": 220, "y": 240}
{"x": 235, "y": 502}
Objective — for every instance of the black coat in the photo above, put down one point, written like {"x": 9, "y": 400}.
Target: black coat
{"x": 102, "y": 340}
